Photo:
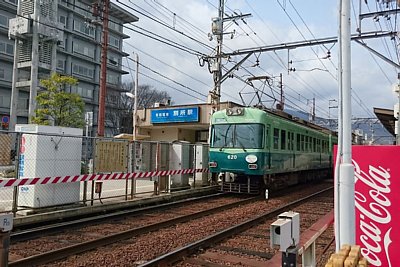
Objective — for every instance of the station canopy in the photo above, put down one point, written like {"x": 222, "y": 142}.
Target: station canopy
{"x": 386, "y": 116}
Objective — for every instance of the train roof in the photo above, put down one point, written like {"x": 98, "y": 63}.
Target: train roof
{"x": 289, "y": 117}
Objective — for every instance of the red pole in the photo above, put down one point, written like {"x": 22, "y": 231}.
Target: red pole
{"x": 103, "y": 71}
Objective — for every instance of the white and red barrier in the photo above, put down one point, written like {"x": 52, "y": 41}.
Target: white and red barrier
{"x": 93, "y": 177}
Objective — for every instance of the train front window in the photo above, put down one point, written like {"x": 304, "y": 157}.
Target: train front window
{"x": 238, "y": 135}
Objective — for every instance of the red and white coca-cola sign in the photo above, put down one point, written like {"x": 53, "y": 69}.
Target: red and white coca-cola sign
{"x": 377, "y": 201}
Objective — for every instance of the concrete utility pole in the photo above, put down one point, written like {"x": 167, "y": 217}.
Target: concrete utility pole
{"x": 282, "y": 103}
{"x": 329, "y": 111}
{"x": 217, "y": 28}
{"x": 135, "y": 132}
{"x": 345, "y": 208}
{"x": 218, "y": 31}
{"x": 103, "y": 70}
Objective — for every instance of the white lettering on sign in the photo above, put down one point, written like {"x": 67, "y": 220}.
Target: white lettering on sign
{"x": 374, "y": 213}
{"x": 6, "y": 222}
{"x": 232, "y": 156}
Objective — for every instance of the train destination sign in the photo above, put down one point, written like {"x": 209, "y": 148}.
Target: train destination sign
{"x": 190, "y": 114}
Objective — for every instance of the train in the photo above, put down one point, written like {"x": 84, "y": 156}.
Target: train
{"x": 254, "y": 150}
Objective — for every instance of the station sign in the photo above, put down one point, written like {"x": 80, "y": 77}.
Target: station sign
{"x": 190, "y": 114}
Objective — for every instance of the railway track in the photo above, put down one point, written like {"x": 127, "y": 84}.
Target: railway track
{"x": 244, "y": 244}
{"x": 155, "y": 234}
{"x": 213, "y": 204}
{"x": 28, "y": 232}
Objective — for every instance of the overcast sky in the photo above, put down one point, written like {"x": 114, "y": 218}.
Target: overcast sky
{"x": 272, "y": 22}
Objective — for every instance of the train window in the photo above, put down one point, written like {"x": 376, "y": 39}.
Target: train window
{"x": 318, "y": 145}
{"x": 222, "y": 135}
{"x": 298, "y": 142}
{"x": 290, "y": 141}
{"x": 306, "y": 143}
{"x": 302, "y": 146}
{"x": 276, "y": 138}
{"x": 314, "y": 145}
{"x": 238, "y": 136}
{"x": 283, "y": 139}
{"x": 249, "y": 136}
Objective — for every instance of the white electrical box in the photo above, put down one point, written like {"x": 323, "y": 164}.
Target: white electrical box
{"x": 49, "y": 156}
{"x": 201, "y": 161}
{"x": 179, "y": 159}
{"x": 19, "y": 26}
{"x": 285, "y": 232}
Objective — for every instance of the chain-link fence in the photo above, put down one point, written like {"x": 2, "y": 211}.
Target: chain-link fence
{"x": 64, "y": 159}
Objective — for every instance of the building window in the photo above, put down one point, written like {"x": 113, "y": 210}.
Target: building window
{"x": 3, "y": 21}
{"x": 6, "y": 48}
{"x": 82, "y": 70}
{"x": 84, "y": 92}
{"x": 114, "y": 26}
{"x": 84, "y": 28}
{"x": 60, "y": 64}
{"x": 83, "y": 50}
{"x": 113, "y": 41}
{"x": 63, "y": 20}
{"x": 112, "y": 79}
{"x": 5, "y": 101}
{"x": 2, "y": 75}
{"x": 13, "y": 2}
{"x": 112, "y": 60}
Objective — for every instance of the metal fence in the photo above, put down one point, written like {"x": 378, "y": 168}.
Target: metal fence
{"x": 37, "y": 155}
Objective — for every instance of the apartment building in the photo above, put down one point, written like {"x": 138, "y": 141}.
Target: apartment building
{"x": 78, "y": 54}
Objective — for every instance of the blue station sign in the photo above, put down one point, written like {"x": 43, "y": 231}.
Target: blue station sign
{"x": 175, "y": 115}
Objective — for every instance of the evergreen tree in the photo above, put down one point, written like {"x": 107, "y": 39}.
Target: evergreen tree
{"x": 57, "y": 107}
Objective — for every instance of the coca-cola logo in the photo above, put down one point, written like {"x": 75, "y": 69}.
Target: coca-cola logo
{"x": 372, "y": 201}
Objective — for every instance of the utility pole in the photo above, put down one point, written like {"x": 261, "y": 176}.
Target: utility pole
{"x": 217, "y": 30}
{"x": 281, "y": 107}
{"x": 329, "y": 111}
{"x": 103, "y": 70}
{"x": 313, "y": 110}
{"x": 311, "y": 116}
{"x": 344, "y": 184}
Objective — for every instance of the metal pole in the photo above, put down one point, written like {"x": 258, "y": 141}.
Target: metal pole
{"x": 15, "y": 189}
{"x": 135, "y": 100}
{"x": 346, "y": 169}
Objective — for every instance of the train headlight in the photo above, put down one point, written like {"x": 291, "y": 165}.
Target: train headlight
{"x": 212, "y": 164}
{"x": 251, "y": 159}
{"x": 253, "y": 166}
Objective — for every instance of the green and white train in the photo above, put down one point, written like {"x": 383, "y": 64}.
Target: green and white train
{"x": 253, "y": 150}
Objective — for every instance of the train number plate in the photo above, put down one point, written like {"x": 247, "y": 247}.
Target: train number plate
{"x": 232, "y": 156}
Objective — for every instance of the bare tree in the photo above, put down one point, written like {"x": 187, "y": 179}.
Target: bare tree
{"x": 119, "y": 111}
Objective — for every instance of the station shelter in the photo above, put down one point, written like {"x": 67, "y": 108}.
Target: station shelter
{"x": 181, "y": 122}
